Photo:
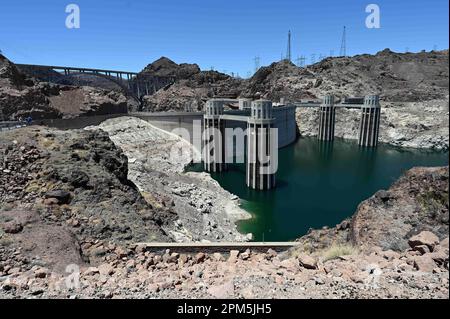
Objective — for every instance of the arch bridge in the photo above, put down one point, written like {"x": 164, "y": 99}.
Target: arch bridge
{"x": 133, "y": 84}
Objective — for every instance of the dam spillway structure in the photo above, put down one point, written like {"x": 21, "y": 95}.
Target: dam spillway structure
{"x": 214, "y": 137}
{"x": 369, "y": 127}
{"x": 259, "y": 173}
{"x": 327, "y": 114}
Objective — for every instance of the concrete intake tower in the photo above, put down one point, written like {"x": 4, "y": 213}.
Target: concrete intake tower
{"x": 214, "y": 137}
{"x": 260, "y": 160}
{"x": 370, "y": 121}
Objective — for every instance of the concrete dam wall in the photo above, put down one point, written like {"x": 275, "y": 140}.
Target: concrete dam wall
{"x": 177, "y": 122}
{"x": 170, "y": 121}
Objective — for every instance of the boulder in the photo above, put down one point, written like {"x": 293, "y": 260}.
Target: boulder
{"x": 271, "y": 253}
{"x": 106, "y": 269}
{"x": 218, "y": 257}
{"x": 424, "y": 263}
{"x": 422, "y": 249}
{"x": 390, "y": 254}
{"x": 79, "y": 179}
{"x": 199, "y": 258}
{"x": 424, "y": 238}
{"x": 12, "y": 227}
{"x": 440, "y": 257}
{"x": 41, "y": 273}
{"x": 62, "y": 196}
{"x": 245, "y": 255}
{"x": 91, "y": 271}
{"x": 290, "y": 264}
{"x": 307, "y": 261}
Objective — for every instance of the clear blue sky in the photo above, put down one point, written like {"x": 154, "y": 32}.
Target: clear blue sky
{"x": 127, "y": 35}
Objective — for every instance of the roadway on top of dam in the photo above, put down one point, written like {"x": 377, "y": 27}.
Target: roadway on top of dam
{"x": 225, "y": 116}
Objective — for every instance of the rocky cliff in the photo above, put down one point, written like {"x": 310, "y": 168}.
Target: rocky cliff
{"x": 397, "y": 77}
{"x": 73, "y": 185}
{"x": 22, "y": 96}
{"x": 417, "y": 202}
{"x": 164, "y": 67}
{"x": 190, "y": 88}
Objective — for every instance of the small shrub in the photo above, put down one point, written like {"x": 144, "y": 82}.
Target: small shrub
{"x": 336, "y": 251}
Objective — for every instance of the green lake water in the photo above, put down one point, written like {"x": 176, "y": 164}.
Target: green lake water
{"x": 320, "y": 184}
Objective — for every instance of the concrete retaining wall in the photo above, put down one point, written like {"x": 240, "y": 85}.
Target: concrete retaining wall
{"x": 76, "y": 123}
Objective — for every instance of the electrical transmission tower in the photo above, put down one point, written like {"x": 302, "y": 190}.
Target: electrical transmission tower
{"x": 257, "y": 63}
{"x": 343, "y": 51}
{"x": 313, "y": 58}
{"x": 301, "y": 61}
{"x": 288, "y": 54}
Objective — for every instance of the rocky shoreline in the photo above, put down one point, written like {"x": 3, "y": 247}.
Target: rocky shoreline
{"x": 156, "y": 164}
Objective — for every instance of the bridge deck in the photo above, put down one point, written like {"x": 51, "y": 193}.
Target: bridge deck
{"x": 76, "y": 69}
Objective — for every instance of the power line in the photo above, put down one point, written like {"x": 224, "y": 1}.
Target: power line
{"x": 343, "y": 51}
